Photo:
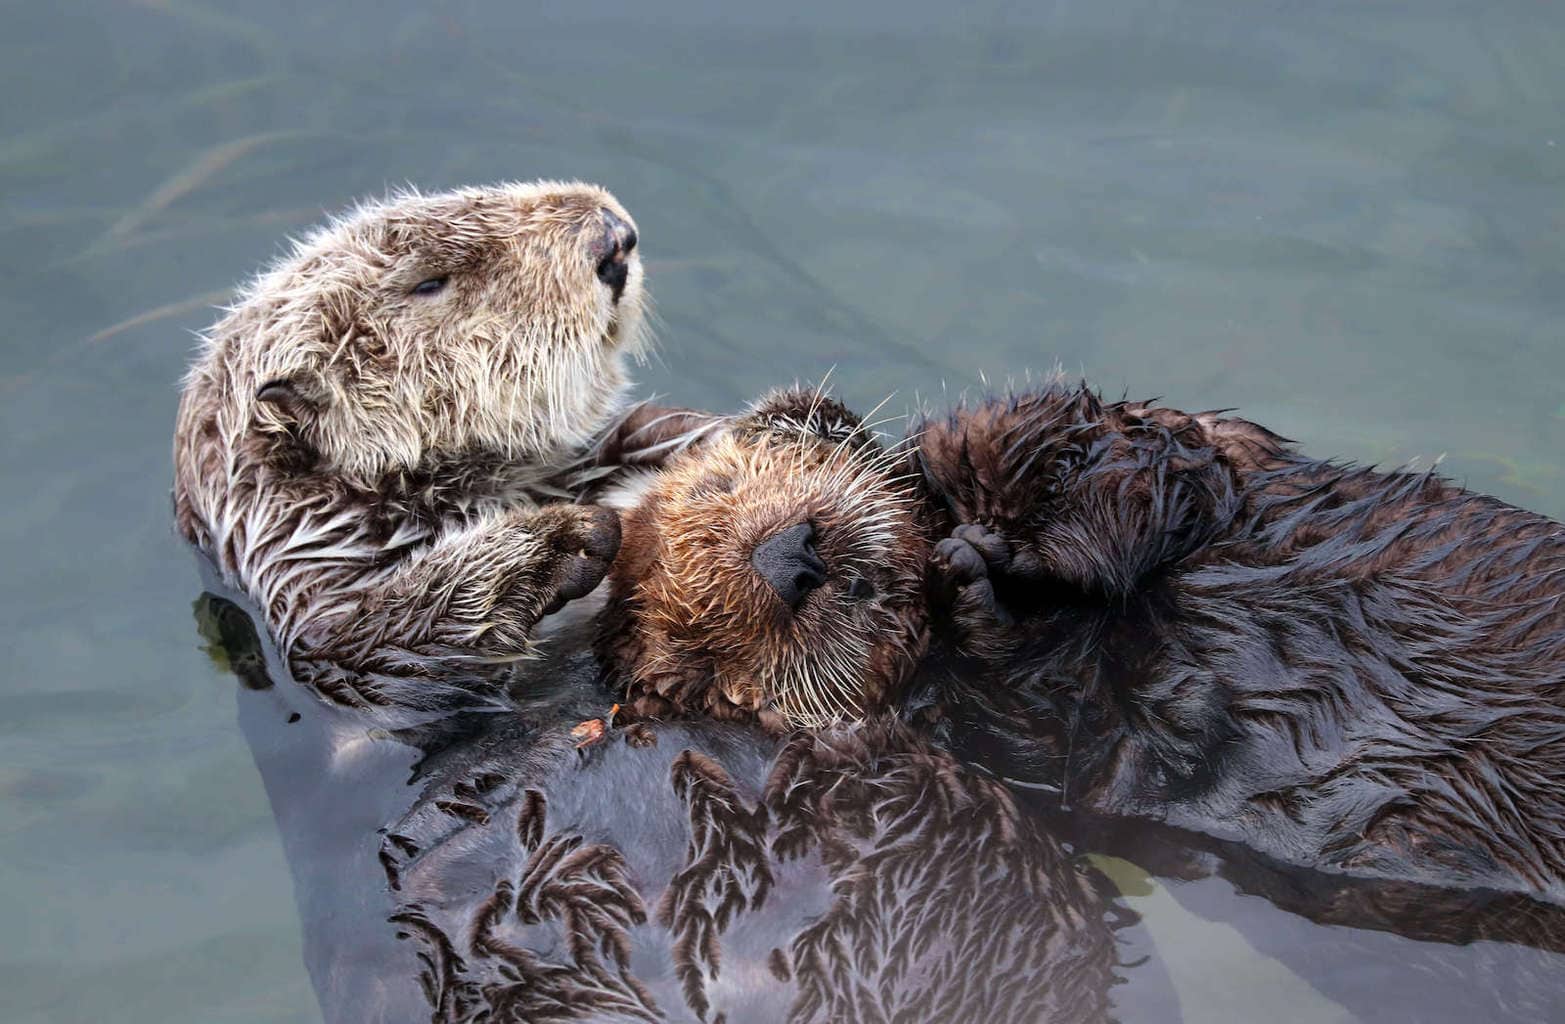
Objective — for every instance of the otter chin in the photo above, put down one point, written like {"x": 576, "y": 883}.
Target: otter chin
{"x": 773, "y": 573}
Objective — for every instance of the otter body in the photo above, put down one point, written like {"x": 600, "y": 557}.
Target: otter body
{"x": 706, "y": 871}
{"x": 682, "y": 871}
{"x": 364, "y": 439}
{"x": 1180, "y": 617}
{"x": 1156, "y": 614}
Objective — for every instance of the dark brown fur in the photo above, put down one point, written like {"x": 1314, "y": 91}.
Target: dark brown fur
{"x": 1179, "y": 617}
{"x": 856, "y": 874}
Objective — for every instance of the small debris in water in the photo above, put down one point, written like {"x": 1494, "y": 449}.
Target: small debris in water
{"x": 593, "y": 729}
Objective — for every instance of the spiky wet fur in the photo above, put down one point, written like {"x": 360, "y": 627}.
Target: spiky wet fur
{"x": 1186, "y": 619}
{"x": 849, "y": 874}
{"x": 382, "y": 511}
{"x": 1180, "y": 617}
{"x": 690, "y": 624}
{"x": 481, "y": 868}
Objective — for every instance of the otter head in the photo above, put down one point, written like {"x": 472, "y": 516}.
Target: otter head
{"x": 485, "y": 320}
{"x": 774, "y": 572}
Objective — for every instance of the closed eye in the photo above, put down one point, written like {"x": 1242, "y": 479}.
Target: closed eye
{"x": 430, "y": 286}
{"x": 861, "y": 589}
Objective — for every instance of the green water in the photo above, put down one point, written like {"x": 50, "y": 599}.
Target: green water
{"x": 1346, "y": 219}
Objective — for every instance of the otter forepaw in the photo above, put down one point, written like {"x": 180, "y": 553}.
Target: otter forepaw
{"x": 991, "y": 546}
{"x": 961, "y": 565}
{"x": 587, "y": 541}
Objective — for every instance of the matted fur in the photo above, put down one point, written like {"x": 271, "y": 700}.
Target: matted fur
{"x": 1178, "y": 616}
{"x": 854, "y": 874}
{"x": 362, "y": 458}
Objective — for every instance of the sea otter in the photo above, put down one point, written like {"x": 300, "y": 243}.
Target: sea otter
{"x": 1157, "y": 614}
{"x": 709, "y": 871}
{"x": 364, "y": 439}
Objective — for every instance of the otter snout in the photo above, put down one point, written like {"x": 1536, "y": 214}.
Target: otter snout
{"x": 613, "y": 249}
{"x": 787, "y": 560}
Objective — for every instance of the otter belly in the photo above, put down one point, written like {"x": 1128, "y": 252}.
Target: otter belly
{"x": 495, "y": 866}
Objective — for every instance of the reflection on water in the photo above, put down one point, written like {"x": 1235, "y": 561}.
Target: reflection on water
{"x": 1349, "y": 949}
{"x": 1345, "y": 220}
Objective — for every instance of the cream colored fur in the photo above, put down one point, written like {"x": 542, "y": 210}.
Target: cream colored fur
{"x": 383, "y": 513}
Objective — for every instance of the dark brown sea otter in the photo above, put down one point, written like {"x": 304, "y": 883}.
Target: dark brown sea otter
{"x": 705, "y": 871}
{"x": 1159, "y": 614}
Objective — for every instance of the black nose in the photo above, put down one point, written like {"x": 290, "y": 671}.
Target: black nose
{"x": 613, "y": 249}
{"x": 787, "y": 560}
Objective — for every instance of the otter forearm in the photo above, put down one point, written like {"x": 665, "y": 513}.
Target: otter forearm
{"x": 472, "y": 595}
{"x": 452, "y": 597}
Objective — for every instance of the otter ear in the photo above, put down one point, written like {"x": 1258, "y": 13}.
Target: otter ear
{"x": 294, "y": 402}
{"x": 807, "y": 413}
{"x": 1248, "y": 447}
{"x": 290, "y": 396}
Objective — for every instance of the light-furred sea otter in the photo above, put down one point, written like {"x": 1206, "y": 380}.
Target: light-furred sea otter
{"x": 365, "y": 436}
{"x": 1154, "y": 613}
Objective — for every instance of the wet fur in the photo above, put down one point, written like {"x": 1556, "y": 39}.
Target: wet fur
{"x": 365, "y": 462}
{"x": 854, "y": 874}
{"x": 677, "y": 871}
{"x": 518, "y": 871}
{"x": 690, "y": 627}
{"x": 1180, "y": 617}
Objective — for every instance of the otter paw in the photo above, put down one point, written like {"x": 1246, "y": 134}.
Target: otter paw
{"x": 587, "y": 541}
{"x": 961, "y": 565}
{"x": 993, "y": 548}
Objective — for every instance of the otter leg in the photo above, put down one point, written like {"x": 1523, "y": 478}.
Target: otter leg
{"x": 475, "y": 593}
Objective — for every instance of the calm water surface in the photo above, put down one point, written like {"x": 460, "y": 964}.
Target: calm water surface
{"x": 1346, "y": 219}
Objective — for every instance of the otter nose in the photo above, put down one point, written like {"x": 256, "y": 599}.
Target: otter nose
{"x": 787, "y": 560}
{"x": 613, "y": 249}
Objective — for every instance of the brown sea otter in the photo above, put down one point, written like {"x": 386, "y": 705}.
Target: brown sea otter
{"x": 1158, "y": 614}
{"x": 473, "y": 889}
{"x": 777, "y": 574}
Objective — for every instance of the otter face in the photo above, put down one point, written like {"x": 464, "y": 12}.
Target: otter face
{"x": 776, "y": 571}
{"x": 491, "y": 320}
